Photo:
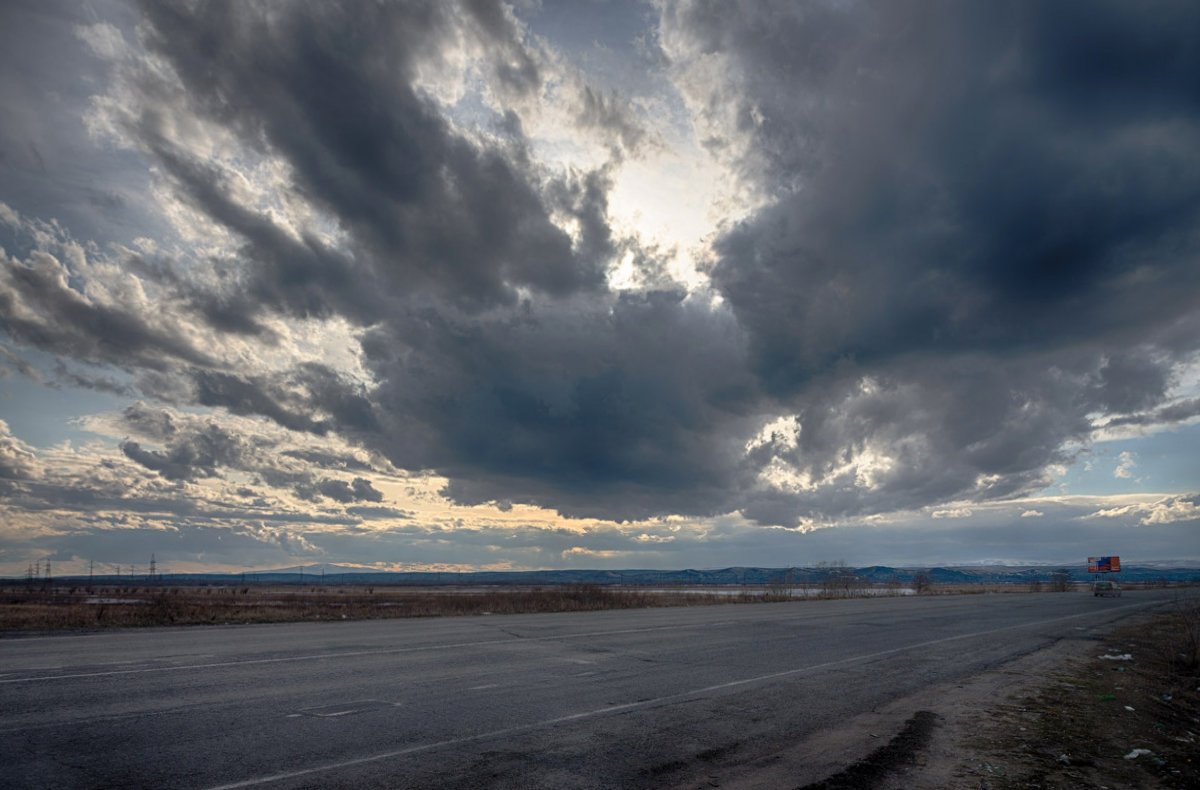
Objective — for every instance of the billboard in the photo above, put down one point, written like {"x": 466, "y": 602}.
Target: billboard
{"x": 1104, "y": 564}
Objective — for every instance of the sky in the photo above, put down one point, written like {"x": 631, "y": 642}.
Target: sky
{"x": 443, "y": 285}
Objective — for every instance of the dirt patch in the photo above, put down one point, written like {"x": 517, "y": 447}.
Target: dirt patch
{"x": 901, "y": 750}
{"x": 1125, "y": 715}
{"x": 1073, "y": 716}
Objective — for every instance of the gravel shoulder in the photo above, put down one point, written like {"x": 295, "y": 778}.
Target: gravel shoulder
{"x": 1062, "y": 717}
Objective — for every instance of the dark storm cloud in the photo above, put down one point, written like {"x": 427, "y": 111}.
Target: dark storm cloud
{"x": 978, "y": 232}
{"x": 291, "y": 399}
{"x": 153, "y": 423}
{"x": 513, "y": 65}
{"x": 47, "y": 163}
{"x": 971, "y": 178}
{"x": 990, "y": 211}
{"x": 302, "y": 277}
{"x": 195, "y": 452}
{"x": 39, "y": 306}
{"x": 622, "y": 410}
{"x": 330, "y": 90}
{"x": 245, "y": 395}
{"x": 970, "y": 248}
{"x": 173, "y": 466}
{"x": 359, "y": 490}
{"x": 65, "y": 376}
{"x": 327, "y": 460}
{"x": 499, "y": 357}
{"x": 198, "y": 447}
{"x": 1174, "y": 413}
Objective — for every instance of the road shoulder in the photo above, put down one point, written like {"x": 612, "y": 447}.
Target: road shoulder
{"x": 928, "y": 741}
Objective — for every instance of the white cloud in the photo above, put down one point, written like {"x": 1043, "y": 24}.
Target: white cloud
{"x": 9, "y": 216}
{"x": 1032, "y": 514}
{"x": 1172, "y": 510}
{"x": 1127, "y": 463}
{"x": 957, "y": 512}
{"x": 1168, "y": 510}
{"x": 648, "y": 538}
{"x": 104, "y": 40}
{"x": 1116, "y": 512}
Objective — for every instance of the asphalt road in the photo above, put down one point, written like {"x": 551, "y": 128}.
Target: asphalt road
{"x": 622, "y": 699}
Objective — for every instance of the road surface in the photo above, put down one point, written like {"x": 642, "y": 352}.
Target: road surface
{"x": 618, "y": 699}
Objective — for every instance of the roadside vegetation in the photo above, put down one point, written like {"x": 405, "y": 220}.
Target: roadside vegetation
{"x": 54, "y": 608}
{"x": 50, "y": 607}
{"x": 1128, "y": 716}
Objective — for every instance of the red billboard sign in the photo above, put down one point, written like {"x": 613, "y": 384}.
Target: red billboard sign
{"x": 1104, "y": 564}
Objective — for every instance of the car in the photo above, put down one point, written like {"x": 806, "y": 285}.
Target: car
{"x": 1111, "y": 589}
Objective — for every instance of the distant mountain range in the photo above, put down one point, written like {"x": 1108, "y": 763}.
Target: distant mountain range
{"x": 875, "y": 574}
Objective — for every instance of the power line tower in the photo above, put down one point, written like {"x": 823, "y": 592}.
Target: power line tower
{"x": 153, "y": 567}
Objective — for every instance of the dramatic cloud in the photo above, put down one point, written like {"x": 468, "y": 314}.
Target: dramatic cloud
{"x": 1164, "y": 511}
{"x": 402, "y": 266}
{"x": 979, "y": 228}
{"x": 17, "y": 460}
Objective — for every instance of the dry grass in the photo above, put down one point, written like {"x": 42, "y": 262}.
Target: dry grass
{"x": 52, "y": 609}
{"x": 36, "y": 608}
{"x": 1076, "y": 731}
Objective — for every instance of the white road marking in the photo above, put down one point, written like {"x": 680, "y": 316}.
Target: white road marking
{"x": 648, "y": 703}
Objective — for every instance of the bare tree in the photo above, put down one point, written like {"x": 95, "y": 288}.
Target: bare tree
{"x": 1060, "y": 580}
{"x": 838, "y": 580}
{"x": 781, "y": 583}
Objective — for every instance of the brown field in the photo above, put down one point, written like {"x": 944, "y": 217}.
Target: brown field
{"x": 35, "y": 607}
{"x": 61, "y": 608}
